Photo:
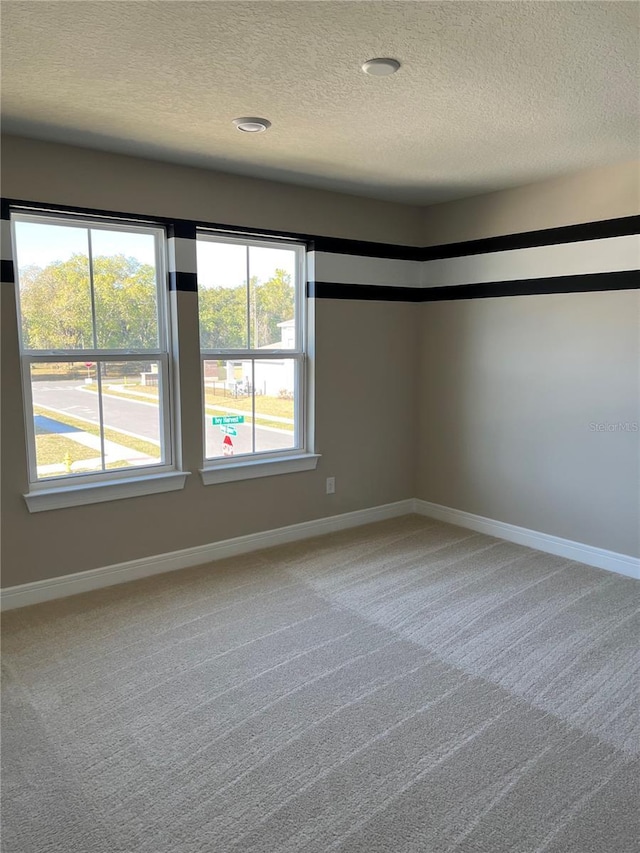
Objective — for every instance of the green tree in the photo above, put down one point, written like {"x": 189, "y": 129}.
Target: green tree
{"x": 223, "y": 317}
{"x": 125, "y": 302}
{"x": 55, "y": 304}
{"x": 223, "y": 312}
{"x": 57, "y": 312}
{"x": 273, "y": 303}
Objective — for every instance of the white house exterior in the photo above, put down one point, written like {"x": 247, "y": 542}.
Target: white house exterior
{"x": 274, "y": 377}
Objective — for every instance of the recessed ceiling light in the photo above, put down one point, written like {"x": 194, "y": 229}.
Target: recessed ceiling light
{"x": 381, "y": 67}
{"x": 250, "y": 124}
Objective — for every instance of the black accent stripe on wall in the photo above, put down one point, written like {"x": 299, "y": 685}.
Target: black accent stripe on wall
{"x": 622, "y": 227}
{"x": 184, "y": 281}
{"x": 363, "y": 292}
{"x": 590, "y": 282}
{"x": 7, "y": 273}
{"x": 5, "y": 209}
{"x": 369, "y": 292}
{"x": 365, "y": 248}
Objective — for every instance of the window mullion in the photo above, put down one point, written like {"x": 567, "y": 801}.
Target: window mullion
{"x": 95, "y": 344}
{"x": 264, "y": 355}
{"x": 253, "y": 405}
{"x": 101, "y": 413}
{"x": 93, "y": 355}
{"x": 298, "y": 398}
{"x": 249, "y": 338}
{"x": 91, "y": 291}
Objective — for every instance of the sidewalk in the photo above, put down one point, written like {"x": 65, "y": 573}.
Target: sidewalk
{"x": 113, "y": 453}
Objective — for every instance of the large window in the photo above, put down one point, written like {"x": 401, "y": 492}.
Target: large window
{"x": 252, "y": 343}
{"x": 97, "y": 365}
{"x": 94, "y": 347}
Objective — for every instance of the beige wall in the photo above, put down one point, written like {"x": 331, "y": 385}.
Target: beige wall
{"x": 493, "y": 397}
{"x": 607, "y": 192}
{"x": 509, "y": 390}
{"x": 364, "y": 358}
{"x": 509, "y": 387}
{"x": 62, "y": 174}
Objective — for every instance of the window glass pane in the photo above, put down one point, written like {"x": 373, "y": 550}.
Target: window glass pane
{"x": 66, "y": 419}
{"x": 270, "y": 385}
{"x": 272, "y": 297}
{"x": 131, "y": 413}
{"x": 55, "y": 293}
{"x": 92, "y": 415}
{"x": 222, "y": 295}
{"x": 228, "y": 408}
{"x": 125, "y": 289}
{"x": 274, "y": 390}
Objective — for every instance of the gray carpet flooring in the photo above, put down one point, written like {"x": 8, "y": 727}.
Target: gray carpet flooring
{"x": 405, "y": 686}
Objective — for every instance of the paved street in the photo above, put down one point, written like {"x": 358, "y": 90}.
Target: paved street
{"x": 138, "y": 418}
{"x": 141, "y": 418}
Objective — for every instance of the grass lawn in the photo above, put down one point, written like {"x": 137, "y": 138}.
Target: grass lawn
{"x": 145, "y": 448}
{"x": 264, "y": 405}
{"x": 52, "y": 449}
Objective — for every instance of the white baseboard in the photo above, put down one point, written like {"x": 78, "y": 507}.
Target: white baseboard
{"x": 60, "y": 587}
{"x": 598, "y": 557}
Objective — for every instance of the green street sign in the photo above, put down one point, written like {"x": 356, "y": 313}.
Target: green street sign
{"x": 227, "y": 430}
{"x": 228, "y": 419}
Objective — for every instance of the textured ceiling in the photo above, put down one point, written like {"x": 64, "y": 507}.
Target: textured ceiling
{"x": 489, "y": 94}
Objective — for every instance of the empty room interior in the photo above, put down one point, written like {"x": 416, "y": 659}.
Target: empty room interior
{"x": 320, "y": 426}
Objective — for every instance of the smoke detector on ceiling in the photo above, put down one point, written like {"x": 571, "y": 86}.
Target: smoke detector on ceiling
{"x": 251, "y": 124}
{"x": 381, "y": 67}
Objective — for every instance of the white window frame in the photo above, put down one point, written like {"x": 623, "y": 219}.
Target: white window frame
{"x": 300, "y": 457}
{"x": 94, "y": 487}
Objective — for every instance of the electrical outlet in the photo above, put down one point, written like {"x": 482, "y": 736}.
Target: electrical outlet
{"x": 331, "y": 485}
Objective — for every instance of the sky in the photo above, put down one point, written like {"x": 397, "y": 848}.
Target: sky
{"x": 219, "y": 264}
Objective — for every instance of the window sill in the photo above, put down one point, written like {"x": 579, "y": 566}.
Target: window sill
{"x": 252, "y": 468}
{"x": 90, "y": 493}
